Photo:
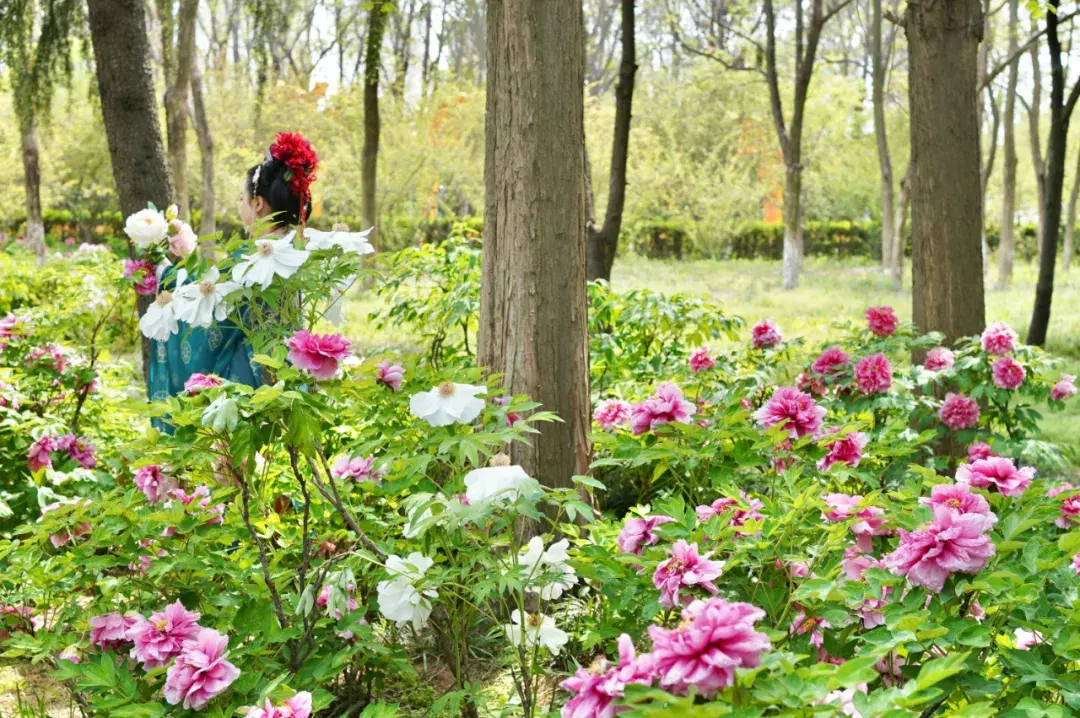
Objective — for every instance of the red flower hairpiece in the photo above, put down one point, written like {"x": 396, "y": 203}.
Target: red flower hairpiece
{"x": 300, "y": 160}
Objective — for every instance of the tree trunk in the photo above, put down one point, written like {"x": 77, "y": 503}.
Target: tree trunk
{"x": 1070, "y": 221}
{"x": 603, "y": 242}
{"x": 900, "y": 223}
{"x": 947, "y": 278}
{"x": 369, "y": 157}
{"x": 533, "y": 308}
{"x": 1060, "y": 112}
{"x": 35, "y": 224}
{"x": 126, "y": 88}
{"x": 1033, "y": 134}
{"x": 793, "y": 232}
{"x": 986, "y": 170}
{"x": 987, "y": 166}
{"x": 207, "y": 203}
{"x": 176, "y": 105}
{"x": 884, "y": 159}
{"x": 1007, "y": 243}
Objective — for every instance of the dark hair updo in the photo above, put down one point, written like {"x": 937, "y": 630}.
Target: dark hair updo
{"x": 272, "y": 186}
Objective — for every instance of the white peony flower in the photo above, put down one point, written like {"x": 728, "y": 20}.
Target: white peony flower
{"x": 146, "y": 227}
{"x": 272, "y": 257}
{"x": 160, "y": 321}
{"x": 546, "y": 572}
{"x": 399, "y": 598}
{"x": 222, "y": 414}
{"x": 537, "y": 629}
{"x": 202, "y": 302}
{"x": 416, "y": 525}
{"x": 448, "y": 403}
{"x": 503, "y": 483}
{"x": 355, "y": 242}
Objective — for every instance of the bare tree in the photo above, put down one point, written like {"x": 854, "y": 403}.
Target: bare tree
{"x": 1006, "y": 245}
{"x": 207, "y": 203}
{"x": 1070, "y": 218}
{"x": 890, "y": 231}
{"x": 178, "y": 49}
{"x": 369, "y": 157}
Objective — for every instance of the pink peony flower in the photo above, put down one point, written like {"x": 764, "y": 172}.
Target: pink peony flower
{"x": 976, "y": 611}
{"x": 69, "y": 654}
{"x": 638, "y": 532}
{"x": 145, "y": 274}
{"x": 959, "y": 412}
{"x": 356, "y": 468}
{"x": 155, "y": 484}
{"x": 803, "y": 624}
{"x": 1008, "y": 374}
{"x": 793, "y": 410}
{"x": 951, "y": 543}
{"x": 665, "y": 406}
{"x": 299, "y": 706}
{"x": 611, "y": 413}
{"x": 811, "y": 384}
{"x": 161, "y": 637}
{"x": 856, "y": 563}
{"x": 845, "y": 450}
{"x": 873, "y": 374}
{"x": 739, "y": 515}
{"x": 882, "y": 321}
{"x": 197, "y": 382}
{"x": 979, "y": 450}
{"x": 201, "y": 672}
{"x": 79, "y": 449}
{"x": 715, "y": 638}
{"x": 958, "y": 498}
{"x": 685, "y": 568}
{"x": 832, "y": 361}
{"x": 317, "y": 354}
{"x": 1076, "y": 563}
{"x": 39, "y": 456}
{"x": 111, "y": 630}
{"x": 1070, "y": 506}
{"x": 1064, "y": 388}
{"x": 598, "y": 687}
{"x": 939, "y": 359}
{"x": 999, "y": 471}
{"x": 844, "y": 700}
{"x": 889, "y": 667}
{"x": 54, "y": 357}
{"x": 1026, "y": 639}
{"x": 701, "y": 361}
{"x": 184, "y": 241}
{"x": 999, "y": 339}
{"x": 511, "y": 417}
{"x": 324, "y": 598}
{"x": 766, "y": 334}
{"x": 390, "y": 374}
{"x": 62, "y": 538}
{"x": 843, "y": 507}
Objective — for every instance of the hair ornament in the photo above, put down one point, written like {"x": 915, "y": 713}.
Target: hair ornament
{"x": 300, "y": 160}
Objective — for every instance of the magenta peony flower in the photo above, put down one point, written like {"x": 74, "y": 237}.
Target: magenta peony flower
{"x": 958, "y": 498}
{"x": 611, "y": 413}
{"x": 324, "y": 598}
{"x": 953, "y": 542}
{"x": 811, "y": 383}
{"x": 357, "y": 468}
{"x": 882, "y": 320}
{"x": 832, "y": 361}
{"x": 701, "y": 361}
{"x": 715, "y": 638}
{"x": 665, "y": 406}
{"x": 78, "y": 449}
{"x": 201, "y": 672}
{"x": 739, "y": 515}
{"x": 1064, "y": 388}
{"x": 299, "y": 706}
{"x": 766, "y": 334}
{"x": 685, "y": 568}
{"x": 390, "y": 374}
{"x": 197, "y": 382}
{"x": 939, "y": 359}
{"x": 39, "y": 456}
{"x": 845, "y": 450}
{"x": 317, "y": 354}
{"x": 638, "y": 532}
{"x": 959, "y": 412}
{"x": 999, "y": 471}
{"x": 111, "y": 630}
{"x": 161, "y": 637}
{"x": 999, "y": 339}
{"x": 145, "y": 274}
{"x": 873, "y": 374}
{"x": 1008, "y": 374}
{"x": 979, "y": 450}
{"x": 1070, "y": 506}
{"x": 598, "y": 687}
{"x": 155, "y": 484}
{"x": 793, "y": 410}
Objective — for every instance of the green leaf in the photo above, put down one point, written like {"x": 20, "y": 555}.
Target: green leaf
{"x": 933, "y": 672}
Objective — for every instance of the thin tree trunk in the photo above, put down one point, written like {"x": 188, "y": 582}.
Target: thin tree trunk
{"x": 943, "y": 41}
{"x": 176, "y": 104}
{"x": 900, "y": 223}
{"x": 985, "y": 166}
{"x": 126, "y": 88}
{"x": 1007, "y": 243}
{"x": 207, "y": 224}
{"x": 1070, "y": 222}
{"x": 986, "y": 171}
{"x": 888, "y": 234}
{"x": 533, "y": 309}
{"x": 793, "y": 231}
{"x": 369, "y": 157}
{"x": 1037, "y": 160}
{"x": 35, "y": 223}
{"x": 603, "y": 242}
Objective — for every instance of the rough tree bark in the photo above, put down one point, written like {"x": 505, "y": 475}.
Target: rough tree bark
{"x": 1034, "y": 118}
{"x": 946, "y": 207}
{"x": 603, "y": 241}
{"x": 1060, "y": 112}
{"x": 1070, "y": 219}
{"x": 207, "y": 202}
{"x": 177, "y": 65}
{"x": 35, "y": 223}
{"x": 533, "y": 309}
{"x": 369, "y": 156}
{"x": 126, "y": 88}
{"x": 900, "y": 223}
{"x": 1006, "y": 246}
{"x": 888, "y": 211}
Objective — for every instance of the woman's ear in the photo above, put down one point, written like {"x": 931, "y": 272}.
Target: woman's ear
{"x": 260, "y": 206}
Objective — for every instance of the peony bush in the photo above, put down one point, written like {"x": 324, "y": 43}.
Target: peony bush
{"x": 767, "y": 528}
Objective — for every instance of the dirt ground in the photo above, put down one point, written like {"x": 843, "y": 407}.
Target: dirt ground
{"x": 38, "y": 694}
